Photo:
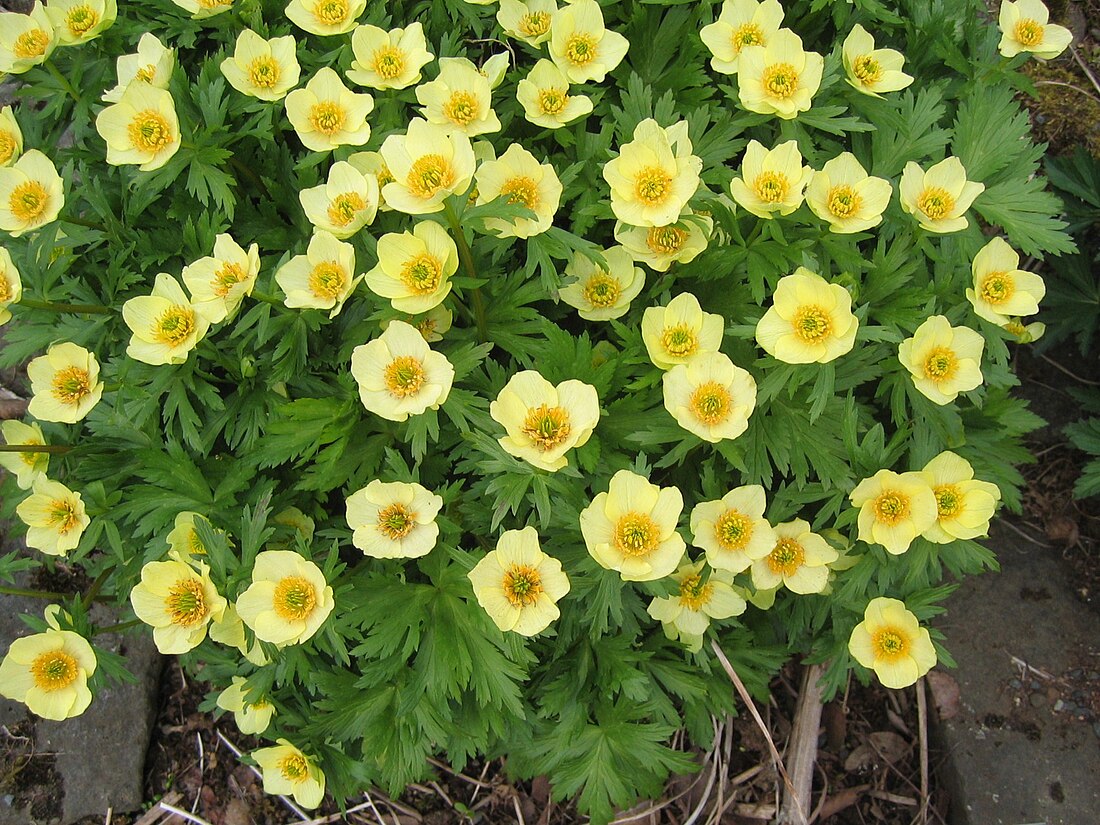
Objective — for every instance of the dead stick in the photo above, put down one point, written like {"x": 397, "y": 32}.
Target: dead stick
{"x": 802, "y": 748}
{"x": 922, "y": 723}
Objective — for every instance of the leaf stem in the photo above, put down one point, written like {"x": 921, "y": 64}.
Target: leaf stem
{"x": 61, "y": 79}
{"x": 96, "y": 586}
{"x": 267, "y": 299}
{"x": 90, "y": 309}
{"x": 467, "y": 258}
{"x": 57, "y": 449}
{"x": 114, "y": 628}
{"x": 31, "y": 593}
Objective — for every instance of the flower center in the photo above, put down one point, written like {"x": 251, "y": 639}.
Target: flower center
{"x": 29, "y": 201}
{"x": 63, "y": 516}
{"x": 80, "y": 19}
{"x": 331, "y": 12}
{"x": 388, "y": 62}
{"x": 747, "y": 34}
{"x": 396, "y": 521}
{"x": 941, "y": 364}
{"x": 264, "y": 72}
{"x": 522, "y": 190}
{"x": 891, "y": 507}
{"x": 890, "y": 644}
{"x": 327, "y": 280}
{"x": 422, "y": 274}
{"x": 771, "y": 187}
{"x": 653, "y": 185}
{"x": 552, "y": 101}
{"x": 580, "y": 49}
{"x": 227, "y": 277}
{"x": 602, "y": 291}
{"x": 294, "y": 767}
{"x": 147, "y": 73}
{"x": 175, "y": 325}
{"x": 31, "y": 43}
{"x": 844, "y": 201}
{"x": 327, "y": 117}
{"x": 949, "y": 500}
{"x": 733, "y": 530}
{"x": 694, "y": 592}
{"x": 546, "y": 426}
{"x": 194, "y": 543}
{"x": 5, "y": 288}
{"x": 294, "y": 599}
{"x": 534, "y": 24}
{"x": 680, "y": 341}
{"x": 786, "y": 557}
{"x": 344, "y": 207}
{"x": 384, "y": 175}
{"x": 997, "y": 288}
{"x": 636, "y": 534}
{"x": 1029, "y": 32}
{"x": 665, "y": 240}
{"x": 522, "y": 585}
{"x": 461, "y": 108}
{"x": 213, "y": 4}
{"x": 53, "y": 670}
{"x": 780, "y": 80}
{"x": 186, "y": 603}
{"x": 812, "y": 324}
{"x": 404, "y": 376}
{"x": 71, "y": 385}
{"x": 935, "y": 202}
{"x": 150, "y": 131}
{"x": 867, "y": 69}
{"x": 7, "y": 147}
{"x": 428, "y": 175}
{"x": 711, "y": 403}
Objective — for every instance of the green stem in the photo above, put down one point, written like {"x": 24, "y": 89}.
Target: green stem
{"x": 97, "y": 585}
{"x": 756, "y": 230}
{"x": 90, "y": 309}
{"x": 114, "y": 628}
{"x": 34, "y": 594}
{"x": 87, "y": 223}
{"x": 57, "y": 449}
{"x": 61, "y": 79}
{"x": 267, "y": 299}
{"x": 467, "y": 258}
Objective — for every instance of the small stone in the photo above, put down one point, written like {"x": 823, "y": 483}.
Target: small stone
{"x": 1038, "y": 700}
{"x": 1094, "y": 675}
{"x": 1059, "y": 705}
{"x": 1096, "y": 728}
{"x": 1015, "y": 683}
{"x": 1035, "y": 684}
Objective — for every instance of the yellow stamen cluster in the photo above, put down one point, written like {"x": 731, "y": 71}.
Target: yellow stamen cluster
{"x": 694, "y": 592}
{"x": 175, "y": 325}
{"x": 786, "y": 557}
{"x": 327, "y": 280}
{"x": 428, "y": 175}
{"x": 522, "y": 190}
{"x": 733, "y": 530}
{"x": 781, "y": 80}
{"x": 771, "y": 187}
{"x": 227, "y": 277}
{"x": 522, "y": 585}
{"x": 890, "y": 644}
{"x": 602, "y": 291}
{"x": 891, "y": 507}
{"x": 146, "y": 73}
{"x": 867, "y": 69}
{"x": 653, "y": 185}
{"x": 150, "y": 131}
{"x": 811, "y": 324}
{"x": 63, "y": 516}
{"x": 1029, "y": 32}
{"x": 185, "y": 603}
{"x": 31, "y": 43}
{"x": 552, "y": 101}
{"x": 460, "y": 108}
{"x": 680, "y": 341}
{"x": 546, "y": 426}
{"x": 580, "y": 50}
{"x": 844, "y": 201}
{"x": 53, "y": 670}
{"x": 388, "y": 62}
{"x": 344, "y": 207}
{"x": 422, "y": 274}
{"x": 29, "y": 200}
{"x": 294, "y": 767}
{"x": 71, "y": 385}
{"x": 331, "y": 12}
{"x": 404, "y": 376}
{"x": 396, "y": 521}
{"x": 996, "y": 288}
{"x": 935, "y": 202}
{"x": 948, "y": 500}
{"x": 80, "y": 19}
{"x": 665, "y": 240}
{"x": 711, "y": 403}
{"x": 294, "y": 598}
{"x": 534, "y": 24}
{"x": 327, "y": 117}
{"x": 747, "y": 34}
{"x": 636, "y": 534}
{"x": 941, "y": 364}
{"x": 264, "y": 72}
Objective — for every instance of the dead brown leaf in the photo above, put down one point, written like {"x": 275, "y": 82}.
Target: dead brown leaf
{"x": 945, "y": 693}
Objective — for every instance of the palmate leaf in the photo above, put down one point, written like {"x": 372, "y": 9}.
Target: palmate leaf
{"x": 1025, "y": 209}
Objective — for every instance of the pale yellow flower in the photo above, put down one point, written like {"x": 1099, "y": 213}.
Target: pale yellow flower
{"x": 54, "y": 516}
{"x": 218, "y": 283}
{"x": 288, "y": 599}
{"x": 11, "y": 285}
{"x": 779, "y": 78}
{"x": 602, "y": 294}
{"x": 229, "y": 630}
{"x": 1002, "y": 291}
{"x": 518, "y": 585}
{"x": 201, "y": 9}
{"x": 152, "y": 63}
{"x": 183, "y": 539}
{"x": 65, "y": 384}
{"x": 495, "y": 68}
{"x": 427, "y": 164}
{"x": 78, "y": 21}
{"x": 1025, "y": 28}
{"x": 894, "y": 508}
{"x": 891, "y": 642}
{"x": 11, "y": 137}
{"x": 632, "y": 528}
{"x": 264, "y": 69}
{"x": 520, "y": 178}
{"x": 964, "y": 505}
{"x": 326, "y": 114}
{"x": 654, "y": 176}
{"x": 527, "y": 21}
{"x": 580, "y": 44}
{"x": 345, "y": 203}
{"x": 810, "y": 320}
{"x": 25, "y": 39}
{"x": 544, "y": 421}
{"x": 252, "y": 718}
{"x": 388, "y": 59}
{"x": 165, "y": 325}
{"x": 286, "y": 770}
{"x": 141, "y": 128}
{"x": 48, "y": 672}
{"x": 393, "y": 520}
{"x": 741, "y": 23}
{"x": 414, "y": 268}
{"x": 772, "y": 180}
{"x": 459, "y": 99}
{"x": 26, "y": 467}
{"x": 799, "y": 560}
{"x": 870, "y": 70}
{"x": 659, "y": 247}
{"x": 939, "y": 197}
{"x": 944, "y": 360}
{"x": 680, "y": 331}
{"x": 178, "y": 601}
{"x": 843, "y": 194}
{"x": 544, "y": 95}
{"x": 686, "y": 616}
{"x": 433, "y": 324}
{"x": 323, "y": 278}
{"x": 399, "y": 374}
{"x": 1028, "y": 333}
{"x": 710, "y": 396}
{"x": 733, "y": 530}
{"x": 370, "y": 164}
{"x": 31, "y": 193}
{"x": 325, "y": 17}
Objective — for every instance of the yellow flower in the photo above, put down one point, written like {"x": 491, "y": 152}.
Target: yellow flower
{"x": 433, "y": 324}
{"x": 218, "y": 283}
{"x": 31, "y": 193}
{"x": 710, "y": 396}
{"x": 251, "y": 717}
{"x": 964, "y": 505}
{"x": 11, "y": 285}
{"x": 345, "y": 203}
{"x": 388, "y": 59}
{"x": 393, "y": 520}
{"x": 229, "y": 630}
{"x": 1024, "y": 28}
{"x": 1001, "y": 289}
{"x": 165, "y": 325}
{"x": 654, "y": 176}
{"x": 772, "y": 180}
{"x": 152, "y": 63}
{"x": 48, "y": 672}
{"x": 780, "y": 77}
{"x": 939, "y": 197}
{"x": 686, "y": 616}
{"x": 580, "y": 44}
{"x": 894, "y": 508}
{"x": 264, "y": 69}
{"x": 544, "y": 95}
{"x": 495, "y": 68}
{"x": 183, "y": 539}
{"x": 843, "y": 194}
{"x": 521, "y": 179}
{"x": 680, "y": 332}
{"x": 399, "y": 374}
{"x": 544, "y": 421}
{"x": 26, "y": 467}
{"x": 25, "y": 39}
{"x": 810, "y": 320}
{"x": 414, "y": 268}
{"x": 11, "y": 137}
{"x": 178, "y": 601}
{"x": 799, "y": 560}
{"x": 54, "y": 516}
{"x": 632, "y": 528}
{"x": 141, "y": 128}
{"x": 733, "y": 530}
{"x": 325, "y": 17}
{"x": 891, "y": 642}
{"x": 326, "y": 114}
{"x": 741, "y": 23}
{"x": 65, "y": 384}
{"x": 201, "y": 9}
{"x": 602, "y": 294}
{"x": 370, "y": 164}
{"x": 518, "y": 585}
{"x": 288, "y": 599}
{"x": 459, "y": 99}
{"x": 527, "y": 21}
{"x": 427, "y": 164}
{"x": 286, "y": 770}
{"x": 872, "y": 70}
{"x": 659, "y": 247}
{"x": 78, "y": 21}
{"x": 944, "y": 360}
{"x": 1025, "y": 334}
{"x": 323, "y": 278}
